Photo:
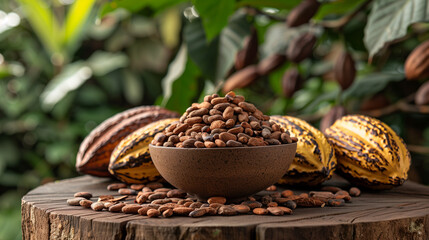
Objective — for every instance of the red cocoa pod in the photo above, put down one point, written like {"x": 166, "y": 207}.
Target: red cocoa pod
{"x": 422, "y": 94}
{"x": 344, "y": 70}
{"x": 271, "y": 63}
{"x": 291, "y": 82}
{"x": 249, "y": 53}
{"x": 301, "y": 47}
{"x": 417, "y": 63}
{"x": 332, "y": 116}
{"x": 94, "y": 153}
{"x": 241, "y": 79}
{"x": 302, "y": 13}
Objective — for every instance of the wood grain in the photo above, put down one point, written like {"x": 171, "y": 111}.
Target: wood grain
{"x": 401, "y": 213}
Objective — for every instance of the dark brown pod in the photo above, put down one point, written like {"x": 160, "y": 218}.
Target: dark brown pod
{"x": 241, "y": 79}
{"x": 422, "y": 94}
{"x": 375, "y": 102}
{"x": 95, "y": 150}
{"x": 301, "y": 47}
{"x": 332, "y": 116}
{"x": 302, "y": 13}
{"x": 291, "y": 82}
{"x": 417, "y": 63}
{"x": 270, "y": 64}
{"x": 344, "y": 70}
{"x": 249, "y": 53}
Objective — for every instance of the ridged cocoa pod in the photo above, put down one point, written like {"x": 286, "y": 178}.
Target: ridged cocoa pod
{"x": 335, "y": 113}
{"x": 95, "y": 150}
{"x": 417, "y": 63}
{"x": 249, "y": 53}
{"x": 270, "y": 64}
{"x": 291, "y": 82}
{"x": 344, "y": 70}
{"x": 301, "y": 47}
{"x": 241, "y": 79}
{"x": 422, "y": 94}
{"x": 302, "y": 13}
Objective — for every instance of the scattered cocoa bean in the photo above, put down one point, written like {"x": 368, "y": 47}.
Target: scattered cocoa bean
{"x": 116, "y": 186}
{"x": 97, "y": 206}
{"x": 182, "y": 210}
{"x": 354, "y": 192}
{"x": 260, "y": 211}
{"x": 271, "y": 188}
{"x": 127, "y": 191}
{"x": 74, "y": 201}
{"x": 131, "y": 208}
{"x": 117, "y": 207}
{"x": 220, "y": 200}
{"x": 153, "y": 213}
{"x": 85, "y": 203}
{"x": 197, "y": 213}
{"x": 86, "y": 195}
{"x": 227, "y": 211}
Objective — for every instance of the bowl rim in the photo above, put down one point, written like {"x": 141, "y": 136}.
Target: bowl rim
{"x": 222, "y": 148}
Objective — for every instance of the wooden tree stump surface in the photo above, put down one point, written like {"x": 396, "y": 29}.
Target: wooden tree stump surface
{"x": 401, "y": 213}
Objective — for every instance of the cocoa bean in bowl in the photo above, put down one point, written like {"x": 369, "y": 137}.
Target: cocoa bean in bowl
{"x": 223, "y": 146}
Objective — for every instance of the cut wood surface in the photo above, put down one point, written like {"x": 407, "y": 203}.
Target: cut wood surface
{"x": 401, "y": 213}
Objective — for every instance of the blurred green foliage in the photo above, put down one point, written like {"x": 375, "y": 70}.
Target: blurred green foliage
{"x": 65, "y": 66}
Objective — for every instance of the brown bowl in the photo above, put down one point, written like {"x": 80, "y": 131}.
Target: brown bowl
{"x": 231, "y": 172}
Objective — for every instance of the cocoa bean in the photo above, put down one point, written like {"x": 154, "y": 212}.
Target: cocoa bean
{"x": 232, "y": 143}
{"x": 241, "y": 209}
{"x": 228, "y": 113}
{"x": 97, "y": 206}
{"x": 85, "y": 203}
{"x": 198, "y": 113}
{"x": 271, "y": 188}
{"x": 180, "y": 128}
{"x": 176, "y": 193}
{"x": 229, "y": 123}
{"x": 74, "y": 201}
{"x": 189, "y": 143}
{"x": 220, "y": 200}
{"x": 335, "y": 202}
{"x": 143, "y": 210}
{"x": 154, "y": 185}
{"x": 167, "y": 213}
{"x": 227, "y": 211}
{"x": 220, "y": 143}
{"x": 159, "y": 195}
{"x": 331, "y": 189}
{"x": 86, "y": 195}
{"x": 197, "y": 213}
{"x": 255, "y": 142}
{"x": 161, "y": 201}
{"x": 127, "y": 191}
{"x": 260, "y": 211}
{"x": 354, "y": 192}
{"x": 214, "y": 118}
{"x": 152, "y": 213}
{"x": 272, "y": 204}
{"x": 225, "y": 136}
{"x": 276, "y": 211}
{"x": 117, "y": 207}
{"x": 252, "y": 204}
{"x": 131, "y": 208}
{"x": 209, "y": 144}
{"x": 215, "y": 112}
{"x": 287, "y": 193}
{"x": 182, "y": 210}
{"x": 217, "y": 124}
{"x": 116, "y": 186}
{"x": 286, "y": 210}
{"x": 199, "y": 144}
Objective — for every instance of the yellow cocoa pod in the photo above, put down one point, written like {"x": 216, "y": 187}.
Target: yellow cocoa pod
{"x": 314, "y": 160}
{"x": 130, "y": 161}
{"x": 370, "y": 154}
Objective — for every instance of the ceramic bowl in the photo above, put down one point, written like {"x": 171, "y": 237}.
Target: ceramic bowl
{"x": 231, "y": 172}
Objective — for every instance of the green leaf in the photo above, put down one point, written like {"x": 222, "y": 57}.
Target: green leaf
{"x": 133, "y": 88}
{"x": 75, "y": 21}
{"x": 214, "y": 14}
{"x": 103, "y": 63}
{"x": 281, "y": 4}
{"x": 71, "y": 78}
{"x": 370, "y": 84}
{"x": 135, "y": 6}
{"x": 180, "y": 84}
{"x": 217, "y": 57}
{"x": 389, "y": 20}
{"x": 43, "y": 20}
{"x": 336, "y": 7}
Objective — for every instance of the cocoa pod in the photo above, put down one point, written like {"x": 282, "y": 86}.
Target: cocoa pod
{"x": 422, "y": 94}
{"x": 302, "y": 13}
{"x": 291, "y": 82}
{"x": 249, "y": 53}
{"x": 95, "y": 150}
{"x": 335, "y": 113}
{"x": 344, "y": 70}
{"x": 417, "y": 63}
{"x": 375, "y": 102}
{"x": 269, "y": 64}
{"x": 241, "y": 79}
{"x": 301, "y": 47}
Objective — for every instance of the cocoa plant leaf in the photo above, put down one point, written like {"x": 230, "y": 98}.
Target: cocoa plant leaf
{"x": 135, "y": 6}
{"x": 336, "y": 7}
{"x": 280, "y": 4}
{"x": 214, "y": 15}
{"x": 370, "y": 84}
{"x": 389, "y": 20}
{"x": 216, "y": 57}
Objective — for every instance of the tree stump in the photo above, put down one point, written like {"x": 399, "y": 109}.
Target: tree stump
{"x": 401, "y": 213}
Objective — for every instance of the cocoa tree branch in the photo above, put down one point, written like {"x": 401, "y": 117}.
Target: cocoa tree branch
{"x": 418, "y": 149}
{"x": 341, "y": 22}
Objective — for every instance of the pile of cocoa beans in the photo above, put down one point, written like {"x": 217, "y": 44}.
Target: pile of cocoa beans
{"x": 223, "y": 122}
{"x": 154, "y": 200}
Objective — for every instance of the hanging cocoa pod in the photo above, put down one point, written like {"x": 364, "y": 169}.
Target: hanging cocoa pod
{"x": 417, "y": 63}
{"x": 249, "y": 53}
{"x": 291, "y": 82}
{"x": 344, "y": 70}
{"x": 302, "y": 13}
{"x": 422, "y": 94}
{"x": 241, "y": 79}
{"x": 270, "y": 64}
{"x": 301, "y": 47}
{"x": 375, "y": 102}
{"x": 335, "y": 113}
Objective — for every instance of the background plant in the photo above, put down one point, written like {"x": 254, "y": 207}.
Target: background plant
{"x": 66, "y": 65}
